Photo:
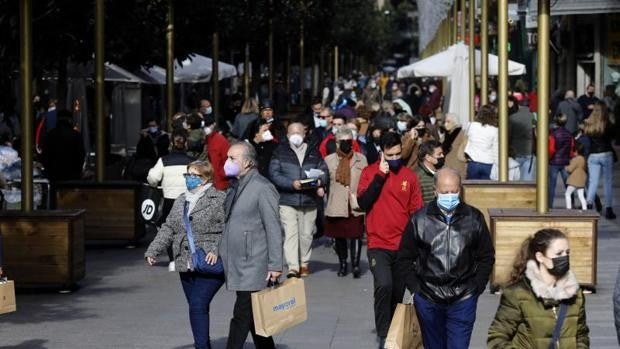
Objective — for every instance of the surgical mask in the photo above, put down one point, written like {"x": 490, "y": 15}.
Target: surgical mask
{"x": 394, "y": 164}
{"x": 335, "y": 129}
{"x": 153, "y": 129}
{"x": 296, "y": 139}
{"x": 207, "y": 110}
{"x": 354, "y": 134}
{"x": 270, "y": 121}
{"x": 561, "y": 265}
{"x": 185, "y": 125}
{"x": 440, "y": 163}
{"x": 449, "y": 201}
{"x": 192, "y": 182}
{"x": 322, "y": 123}
{"x": 492, "y": 98}
{"x": 208, "y": 130}
{"x": 402, "y": 126}
{"x": 346, "y": 145}
{"x": 267, "y": 136}
{"x": 231, "y": 168}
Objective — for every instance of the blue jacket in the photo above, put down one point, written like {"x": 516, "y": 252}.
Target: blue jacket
{"x": 284, "y": 169}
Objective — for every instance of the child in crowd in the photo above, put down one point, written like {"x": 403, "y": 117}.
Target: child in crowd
{"x": 577, "y": 178}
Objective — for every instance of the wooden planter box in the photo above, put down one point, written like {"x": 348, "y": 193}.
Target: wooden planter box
{"x": 484, "y": 195}
{"x": 112, "y": 208}
{"x": 43, "y": 247}
{"x": 510, "y": 227}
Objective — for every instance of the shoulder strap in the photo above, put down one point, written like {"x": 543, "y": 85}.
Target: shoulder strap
{"x": 558, "y": 325}
{"x": 188, "y": 227}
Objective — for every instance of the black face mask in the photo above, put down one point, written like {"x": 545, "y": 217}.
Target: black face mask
{"x": 561, "y": 265}
{"x": 346, "y": 145}
{"x": 440, "y": 163}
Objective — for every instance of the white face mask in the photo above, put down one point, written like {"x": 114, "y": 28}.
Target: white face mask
{"x": 322, "y": 123}
{"x": 296, "y": 139}
{"x": 208, "y": 130}
{"x": 402, "y": 126}
{"x": 492, "y": 98}
{"x": 354, "y": 134}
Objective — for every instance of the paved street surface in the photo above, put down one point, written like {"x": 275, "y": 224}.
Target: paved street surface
{"x": 122, "y": 303}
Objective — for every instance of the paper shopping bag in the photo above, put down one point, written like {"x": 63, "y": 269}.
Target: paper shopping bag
{"x": 7, "y": 297}
{"x": 404, "y": 332}
{"x": 279, "y": 308}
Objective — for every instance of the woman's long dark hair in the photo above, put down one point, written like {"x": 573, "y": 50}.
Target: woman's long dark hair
{"x": 538, "y": 243}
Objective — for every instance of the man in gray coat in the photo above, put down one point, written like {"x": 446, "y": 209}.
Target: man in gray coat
{"x": 251, "y": 246}
{"x": 572, "y": 110}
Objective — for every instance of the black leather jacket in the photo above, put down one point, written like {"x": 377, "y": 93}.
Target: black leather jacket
{"x": 446, "y": 261}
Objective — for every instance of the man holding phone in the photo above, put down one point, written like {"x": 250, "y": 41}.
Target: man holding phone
{"x": 389, "y": 193}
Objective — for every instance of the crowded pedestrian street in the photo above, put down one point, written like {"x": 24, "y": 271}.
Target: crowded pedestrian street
{"x": 124, "y": 304}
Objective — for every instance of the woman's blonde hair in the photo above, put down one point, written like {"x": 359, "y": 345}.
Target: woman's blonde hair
{"x": 596, "y": 123}
{"x": 249, "y": 106}
{"x": 204, "y": 168}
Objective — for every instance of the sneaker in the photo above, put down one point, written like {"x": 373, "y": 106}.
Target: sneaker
{"x": 171, "y": 266}
{"x": 304, "y": 271}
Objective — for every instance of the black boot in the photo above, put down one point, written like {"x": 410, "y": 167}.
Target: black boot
{"x": 343, "y": 267}
{"x": 341, "y": 249}
{"x": 597, "y": 203}
{"x": 356, "y": 252}
{"x": 609, "y": 213}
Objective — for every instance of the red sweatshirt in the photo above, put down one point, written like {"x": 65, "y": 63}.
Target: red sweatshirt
{"x": 217, "y": 152}
{"x": 396, "y": 196}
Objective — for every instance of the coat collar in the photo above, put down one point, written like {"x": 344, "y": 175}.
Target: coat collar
{"x": 565, "y": 288}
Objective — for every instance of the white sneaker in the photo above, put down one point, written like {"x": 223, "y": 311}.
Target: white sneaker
{"x": 171, "y": 266}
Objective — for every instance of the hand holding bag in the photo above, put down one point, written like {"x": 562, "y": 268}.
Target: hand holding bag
{"x": 198, "y": 254}
{"x": 7, "y": 296}
{"x": 278, "y": 308}
{"x": 404, "y": 332}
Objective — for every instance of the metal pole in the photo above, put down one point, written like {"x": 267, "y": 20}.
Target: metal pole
{"x": 484, "y": 53}
{"x": 302, "y": 71}
{"x": 502, "y": 87}
{"x": 99, "y": 90}
{"x": 462, "y": 20}
{"x": 288, "y": 74}
{"x": 170, "y": 65}
{"x": 246, "y": 71}
{"x": 271, "y": 59}
{"x": 25, "y": 87}
{"x": 472, "y": 61}
{"x": 321, "y": 68}
{"x": 215, "y": 78}
{"x": 542, "y": 141}
{"x": 455, "y": 24}
{"x": 336, "y": 56}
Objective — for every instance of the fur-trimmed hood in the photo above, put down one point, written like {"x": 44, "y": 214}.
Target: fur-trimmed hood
{"x": 564, "y": 288}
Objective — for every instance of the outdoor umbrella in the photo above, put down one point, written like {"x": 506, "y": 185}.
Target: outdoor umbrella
{"x": 194, "y": 69}
{"x": 454, "y": 64}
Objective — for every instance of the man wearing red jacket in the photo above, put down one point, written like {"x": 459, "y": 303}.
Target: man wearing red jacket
{"x": 217, "y": 149}
{"x": 389, "y": 193}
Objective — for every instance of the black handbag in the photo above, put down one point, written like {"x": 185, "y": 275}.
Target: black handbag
{"x": 199, "y": 255}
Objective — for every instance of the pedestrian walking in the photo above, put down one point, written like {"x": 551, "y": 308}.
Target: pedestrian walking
{"x": 577, "y": 178}
{"x": 251, "y": 246}
{"x": 561, "y": 144}
{"x": 482, "y": 143}
{"x": 430, "y": 159}
{"x": 290, "y": 164}
{"x": 602, "y": 156}
{"x": 199, "y": 212}
{"x": 389, "y": 193}
{"x": 344, "y": 219}
{"x": 543, "y": 306}
{"x": 445, "y": 257}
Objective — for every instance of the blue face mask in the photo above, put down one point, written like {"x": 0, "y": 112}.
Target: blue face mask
{"x": 192, "y": 182}
{"x": 394, "y": 164}
{"x": 448, "y": 202}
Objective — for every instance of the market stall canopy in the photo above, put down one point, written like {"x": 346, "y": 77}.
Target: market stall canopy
{"x": 443, "y": 64}
{"x": 115, "y": 73}
{"x": 194, "y": 69}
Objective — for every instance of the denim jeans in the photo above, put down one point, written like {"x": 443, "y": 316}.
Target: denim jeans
{"x": 600, "y": 163}
{"x": 478, "y": 170}
{"x": 446, "y": 326}
{"x": 199, "y": 290}
{"x": 527, "y": 165}
{"x": 553, "y": 177}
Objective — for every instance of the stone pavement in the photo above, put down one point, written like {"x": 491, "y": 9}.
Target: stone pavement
{"x": 122, "y": 303}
